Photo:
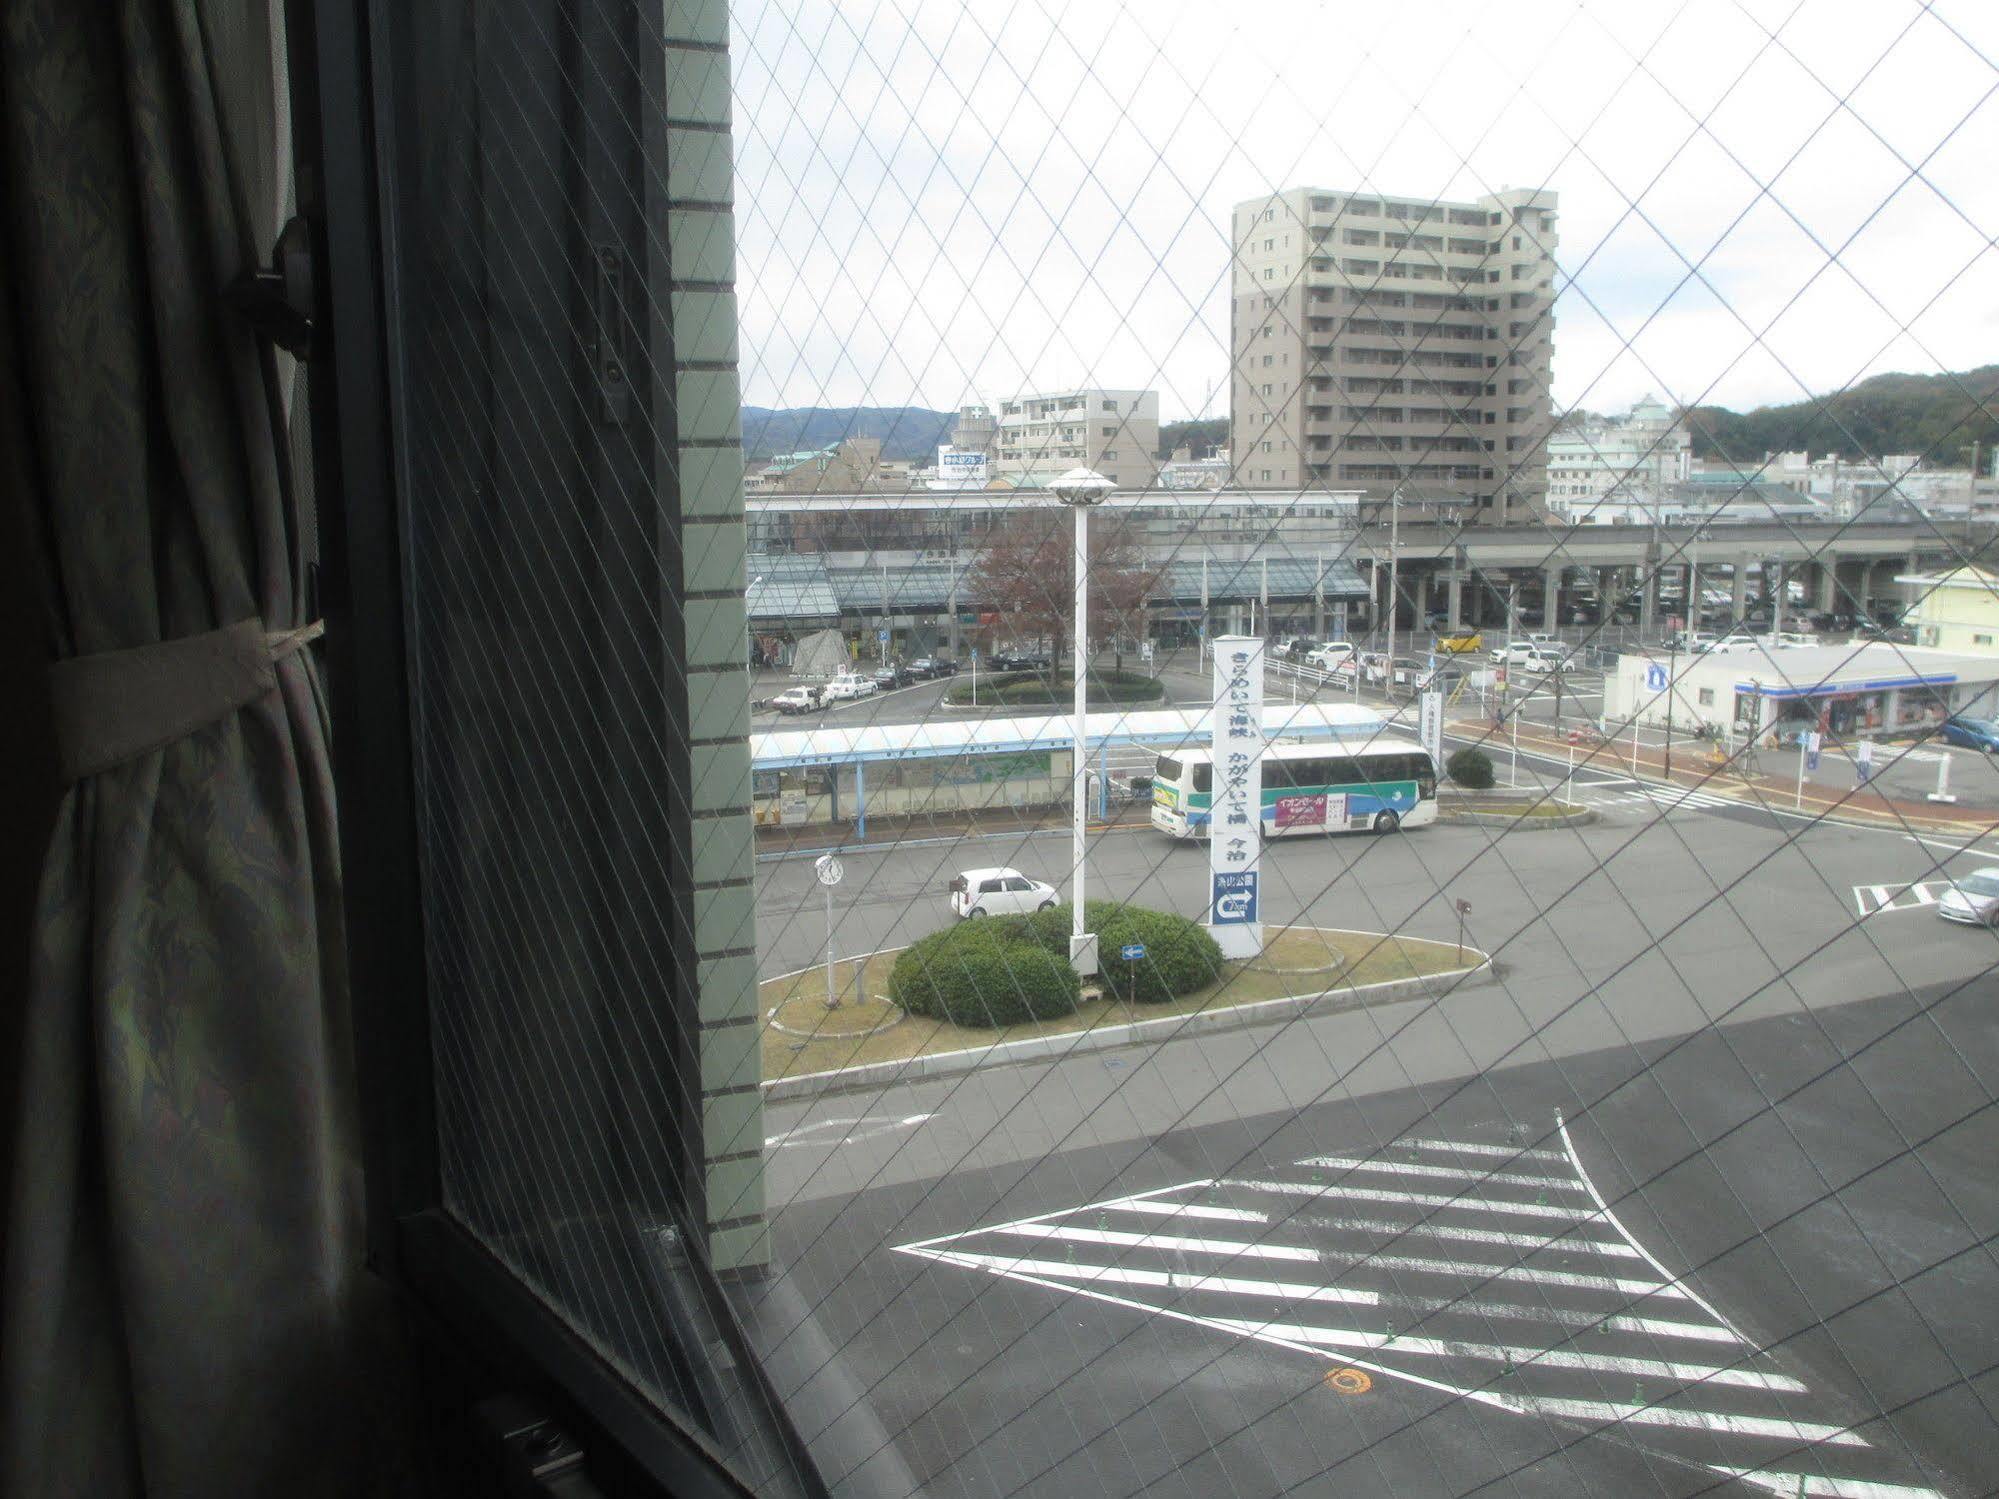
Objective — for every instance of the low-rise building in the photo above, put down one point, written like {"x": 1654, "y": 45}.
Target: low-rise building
{"x": 1845, "y": 691}
{"x": 1954, "y": 611}
{"x": 1618, "y": 461}
{"x": 1115, "y": 432}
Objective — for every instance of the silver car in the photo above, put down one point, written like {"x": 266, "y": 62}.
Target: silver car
{"x": 1973, "y": 899}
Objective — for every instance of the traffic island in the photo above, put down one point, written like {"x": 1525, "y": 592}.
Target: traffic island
{"x": 870, "y": 1042}
{"x": 1513, "y": 810}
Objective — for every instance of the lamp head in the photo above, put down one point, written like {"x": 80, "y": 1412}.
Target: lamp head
{"x": 1082, "y": 486}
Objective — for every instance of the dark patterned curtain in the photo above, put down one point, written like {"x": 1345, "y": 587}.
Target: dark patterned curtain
{"x": 184, "y": 1300}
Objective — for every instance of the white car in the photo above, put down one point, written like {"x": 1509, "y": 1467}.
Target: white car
{"x": 1329, "y": 656}
{"x": 999, "y": 892}
{"x": 1546, "y": 658}
{"x": 796, "y": 700}
{"x": 846, "y": 687}
{"x": 1972, "y": 899}
{"x": 1515, "y": 653}
{"x": 1726, "y": 646}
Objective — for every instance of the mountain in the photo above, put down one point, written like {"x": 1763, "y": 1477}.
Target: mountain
{"x": 1936, "y": 416}
{"x": 905, "y": 431}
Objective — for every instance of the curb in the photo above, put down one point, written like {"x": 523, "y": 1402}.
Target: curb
{"x": 876, "y": 1075}
{"x": 1581, "y": 817}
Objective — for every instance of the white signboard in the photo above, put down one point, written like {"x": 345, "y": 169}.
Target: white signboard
{"x": 1430, "y": 723}
{"x": 960, "y": 468}
{"x": 1235, "y": 835}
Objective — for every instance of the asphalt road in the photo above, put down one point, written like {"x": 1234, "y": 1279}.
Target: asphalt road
{"x": 1787, "y": 1107}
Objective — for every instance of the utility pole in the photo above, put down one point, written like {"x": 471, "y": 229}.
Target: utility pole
{"x": 1394, "y": 557}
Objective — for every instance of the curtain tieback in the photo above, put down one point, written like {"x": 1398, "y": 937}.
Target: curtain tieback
{"x": 118, "y": 705}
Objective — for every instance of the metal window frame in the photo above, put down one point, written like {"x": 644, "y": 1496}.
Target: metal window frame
{"x": 341, "y": 132}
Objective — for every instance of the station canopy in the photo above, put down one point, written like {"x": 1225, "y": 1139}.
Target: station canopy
{"x": 788, "y": 589}
{"x": 932, "y": 739}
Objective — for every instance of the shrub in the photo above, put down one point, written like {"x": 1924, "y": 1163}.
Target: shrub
{"x": 1470, "y": 768}
{"x": 1180, "y": 956}
{"x": 984, "y": 974}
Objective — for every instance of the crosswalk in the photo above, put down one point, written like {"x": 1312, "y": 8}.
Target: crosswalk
{"x": 1868, "y": 899}
{"x": 1485, "y": 1271}
{"x": 1654, "y": 800}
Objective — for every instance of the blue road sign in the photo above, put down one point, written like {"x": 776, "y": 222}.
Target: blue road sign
{"x": 1131, "y": 952}
{"x": 1655, "y": 678}
{"x": 1234, "y": 898}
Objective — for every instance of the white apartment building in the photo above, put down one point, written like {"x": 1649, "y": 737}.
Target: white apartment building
{"x": 1115, "y": 432}
{"x": 1395, "y": 346}
{"x": 1609, "y": 464}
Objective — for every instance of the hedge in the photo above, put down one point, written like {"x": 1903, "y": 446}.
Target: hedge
{"x": 984, "y": 974}
{"x": 1029, "y": 689}
{"x": 1470, "y": 768}
{"x": 1180, "y": 956}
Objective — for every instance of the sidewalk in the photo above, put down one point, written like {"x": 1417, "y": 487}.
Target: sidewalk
{"x": 1693, "y": 768}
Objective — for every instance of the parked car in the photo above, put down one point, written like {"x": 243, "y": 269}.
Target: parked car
{"x": 1972, "y": 733}
{"x": 1972, "y": 898}
{"x": 998, "y": 892}
{"x": 1547, "y": 658}
{"x": 1328, "y": 656}
{"x": 1792, "y": 640}
{"x": 1463, "y": 643}
{"x": 888, "y": 678}
{"x": 1013, "y": 661}
{"x": 797, "y": 700}
{"x": 930, "y": 667}
{"x": 1373, "y": 667}
{"x": 1513, "y": 653}
{"x": 848, "y": 686}
{"x": 1444, "y": 677}
{"x": 1726, "y": 645}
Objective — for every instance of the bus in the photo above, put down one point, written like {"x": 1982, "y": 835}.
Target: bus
{"x": 1308, "y": 788}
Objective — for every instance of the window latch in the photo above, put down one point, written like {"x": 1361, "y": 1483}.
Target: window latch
{"x": 614, "y": 393}
{"x": 277, "y": 301}
{"x": 533, "y": 1457}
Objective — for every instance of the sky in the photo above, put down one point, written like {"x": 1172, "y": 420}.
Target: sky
{"x": 942, "y": 202}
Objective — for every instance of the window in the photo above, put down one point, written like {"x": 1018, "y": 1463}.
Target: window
{"x": 1705, "y": 697}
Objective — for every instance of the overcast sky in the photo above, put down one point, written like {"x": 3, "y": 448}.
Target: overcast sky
{"x": 944, "y": 201}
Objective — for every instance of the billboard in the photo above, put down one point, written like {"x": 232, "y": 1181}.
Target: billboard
{"x": 960, "y": 468}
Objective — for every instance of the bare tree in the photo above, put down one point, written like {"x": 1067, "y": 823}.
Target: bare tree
{"x": 1026, "y": 577}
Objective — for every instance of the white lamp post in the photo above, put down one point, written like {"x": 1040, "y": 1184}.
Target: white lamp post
{"x": 1079, "y": 489}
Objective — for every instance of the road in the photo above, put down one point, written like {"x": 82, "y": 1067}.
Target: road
{"x": 1787, "y": 1108}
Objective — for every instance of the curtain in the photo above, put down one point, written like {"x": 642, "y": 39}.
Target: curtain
{"x": 185, "y": 1307}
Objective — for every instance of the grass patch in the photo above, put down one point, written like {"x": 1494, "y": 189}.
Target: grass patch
{"x": 1510, "y": 807}
{"x": 866, "y": 1028}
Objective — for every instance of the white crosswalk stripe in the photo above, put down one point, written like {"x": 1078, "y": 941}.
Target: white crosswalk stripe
{"x": 1495, "y": 1274}
{"x": 1868, "y": 899}
{"x": 1656, "y": 800}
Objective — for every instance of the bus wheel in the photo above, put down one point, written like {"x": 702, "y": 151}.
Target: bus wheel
{"x": 1386, "y": 822}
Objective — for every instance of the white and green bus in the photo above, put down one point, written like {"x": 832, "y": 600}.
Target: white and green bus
{"x": 1308, "y": 788}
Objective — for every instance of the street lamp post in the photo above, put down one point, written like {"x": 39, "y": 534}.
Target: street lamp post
{"x": 1080, "y": 489}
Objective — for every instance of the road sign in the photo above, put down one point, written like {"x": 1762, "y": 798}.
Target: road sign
{"x": 1655, "y": 677}
{"x": 1131, "y": 952}
{"x": 881, "y": 634}
{"x": 828, "y": 869}
{"x": 1145, "y": 651}
{"x": 1814, "y": 742}
{"x": 1234, "y": 898}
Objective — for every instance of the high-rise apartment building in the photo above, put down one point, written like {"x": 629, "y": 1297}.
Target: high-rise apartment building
{"x": 1115, "y": 432}
{"x": 1395, "y": 345}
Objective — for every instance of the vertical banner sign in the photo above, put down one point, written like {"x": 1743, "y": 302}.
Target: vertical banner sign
{"x": 1863, "y": 759}
{"x": 1430, "y": 724}
{"x": 1814, "y": 744}
{"x": 1235, "y": 837}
